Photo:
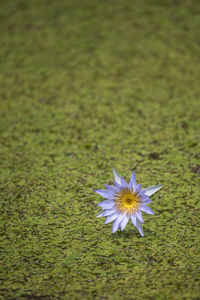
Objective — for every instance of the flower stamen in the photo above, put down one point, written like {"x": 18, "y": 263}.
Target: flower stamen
{"x": 128, "y": 201}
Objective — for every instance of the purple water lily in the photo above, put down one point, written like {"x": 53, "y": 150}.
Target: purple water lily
{"x": 126, "y": 201}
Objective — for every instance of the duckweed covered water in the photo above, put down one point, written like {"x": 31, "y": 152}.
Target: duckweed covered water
{"x": 86, "y": 86}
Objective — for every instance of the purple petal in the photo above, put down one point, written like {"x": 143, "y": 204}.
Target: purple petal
{"x": 124, "y": 183}
{"x": 117, "y": 222}
{"x": 139, "y": 227}
{"x": 112, "y": 189}
{"x": 124, "y": 222}
{"x": 138, "y": 188}
{"x": 134, "y": 219}
{"x": 143, "y": 195}
{"x": 111, "y": 218}
{"x": 105, "y": 194}
{"x": 107, "y": 204}
{"x": 152, "y": 189}
{"x": 139, "y": 216}
{"x": 132, "y": 182}
{"x": 147, "y": 210}
{"x": 117, "y": 176}
{"x": 145, "y": 199}
{"x": 109, "y": 212}
{"x": 118, "y": 186}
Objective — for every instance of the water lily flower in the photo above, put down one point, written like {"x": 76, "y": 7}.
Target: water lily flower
{"x": 126, "y": 201}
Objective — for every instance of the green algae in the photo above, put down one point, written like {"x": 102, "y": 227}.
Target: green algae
{"x": 85, "y": 86}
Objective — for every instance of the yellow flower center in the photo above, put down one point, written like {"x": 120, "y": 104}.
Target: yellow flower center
{"x": 128, "y": 201}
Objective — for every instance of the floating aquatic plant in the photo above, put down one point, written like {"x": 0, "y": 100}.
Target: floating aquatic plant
{"x": 126, "y": 201}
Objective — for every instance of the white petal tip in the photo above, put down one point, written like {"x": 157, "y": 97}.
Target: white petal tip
{"x": 114, "y": 229}
{"x": 100, "y": 215}
{"x": 116, "y": 176}
{"x": 159, "y": 186}
{"x": 152, "y": 189}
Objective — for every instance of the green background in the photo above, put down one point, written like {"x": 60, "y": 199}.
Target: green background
{"x": 86, "y": 86}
